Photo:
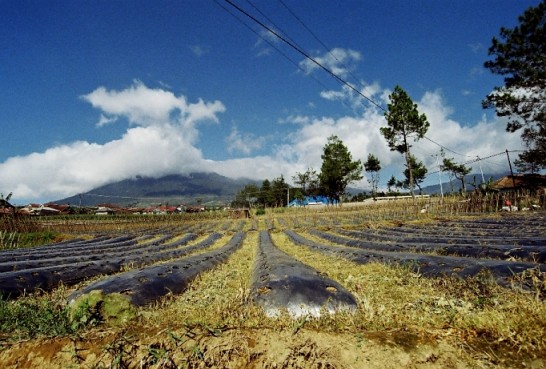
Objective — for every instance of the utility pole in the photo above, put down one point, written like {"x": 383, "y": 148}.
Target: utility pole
{"x": 511, "y": 171}
{"x": 480, "y": 164}
{"x": 513, "y": 179}
{"x": 440, "y": 175}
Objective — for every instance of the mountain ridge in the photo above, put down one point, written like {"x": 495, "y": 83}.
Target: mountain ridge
{"x": 199, "y": 187}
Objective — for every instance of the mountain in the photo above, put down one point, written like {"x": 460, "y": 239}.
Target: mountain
{"x": 456, "y": 184}
{"x": 175, "y": 189}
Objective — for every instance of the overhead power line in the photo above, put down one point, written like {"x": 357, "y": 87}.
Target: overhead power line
{"x": 304, "y": 53}
{"x": 300, "y": 50}
{"x": 296, "y": 64}
{"x": 328, "y": 49}
{"x": 443, "y": 147}
{"x": 480, "y": 159}
{"x": 323, "y": 44}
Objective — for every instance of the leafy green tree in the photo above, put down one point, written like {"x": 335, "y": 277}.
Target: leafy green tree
{"x": 527, "y": 162}
{"x": 372, "y": 165}
{"x": 247, "y": 197}
{"x": 307, "y": 181}
{"x": 458, "y": 171}
{"x": 338, "y": 168}
{"x": 404, "y": 123}
{"x": 418, "y": 173}
{"x": 391, "y": 183}
{"x": 298, "y": 195}
{"x": 520, "y": 56}
{"x": 313, "y": 188}
{"x": 265, "y": 196}
{"x": 279, "y": 190}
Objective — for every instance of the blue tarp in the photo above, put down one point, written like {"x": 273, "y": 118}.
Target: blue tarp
{"x": 314, "y": 200}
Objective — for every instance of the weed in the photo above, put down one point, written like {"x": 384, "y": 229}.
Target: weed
{"x": 159, "y": 356}
{"x": 121, "y": 351}
{"x": 29, "y": 317}
{"x": 9, "y": 240}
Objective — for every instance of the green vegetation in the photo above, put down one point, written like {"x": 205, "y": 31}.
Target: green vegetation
{"x": 214, "y": 323}
{"x": 518, "y": 55}
{"x": 35, "y": 316}
{"x": 404, "y": 123}
{"x": 23, "y": 231}
{"x": 417, "y": 173}
{"x": 95, "y": 308}
{"x": 453, "y": 169}
{"x": 372, "y": 165}
{"x": 338, "y": 168}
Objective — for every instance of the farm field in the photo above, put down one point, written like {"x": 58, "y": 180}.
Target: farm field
{"x": 340, "y": 287}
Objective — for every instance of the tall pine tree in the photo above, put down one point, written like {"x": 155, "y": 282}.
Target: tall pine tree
{"x": 519, "y": 54}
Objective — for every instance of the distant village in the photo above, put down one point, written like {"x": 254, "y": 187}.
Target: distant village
{"x": 102, "y": 209}
{"x": 535, "y": 183}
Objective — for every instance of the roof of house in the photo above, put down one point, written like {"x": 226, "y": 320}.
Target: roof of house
{"x": 531, "y": 181}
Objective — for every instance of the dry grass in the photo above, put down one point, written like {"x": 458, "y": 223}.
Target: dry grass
{"x": 215, "y": 323}
{"x": 395, "y": 298}
{"x": 217, "y": 298}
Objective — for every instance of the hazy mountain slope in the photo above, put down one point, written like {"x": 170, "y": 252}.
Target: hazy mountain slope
{"x": 174, "y": 189}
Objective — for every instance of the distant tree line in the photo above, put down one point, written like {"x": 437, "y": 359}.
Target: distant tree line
{"x": 272, "y": 193}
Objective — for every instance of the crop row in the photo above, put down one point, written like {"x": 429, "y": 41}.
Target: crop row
{"x": 144, "y": 266}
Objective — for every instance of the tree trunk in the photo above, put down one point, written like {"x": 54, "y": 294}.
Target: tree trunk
{"x": 408, "y": 163}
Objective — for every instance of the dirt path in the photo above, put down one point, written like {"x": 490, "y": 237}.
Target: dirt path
{"x": 204, "y": 348}
{"x": 234, "y": 349}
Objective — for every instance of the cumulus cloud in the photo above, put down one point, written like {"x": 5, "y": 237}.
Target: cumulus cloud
{"x": 105, "y": 120}
{"x": 361, "y": 135}
{"x": 245, "y": 143}
{"x": 160, "y": 140}
{"x": 483, "y": 138}
{"x": 144, "y": 106}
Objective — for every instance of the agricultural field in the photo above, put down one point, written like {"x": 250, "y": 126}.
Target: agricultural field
{"x": 380, "y": 286}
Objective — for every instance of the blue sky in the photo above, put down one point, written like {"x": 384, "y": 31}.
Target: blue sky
{"x": 98, "y": 91}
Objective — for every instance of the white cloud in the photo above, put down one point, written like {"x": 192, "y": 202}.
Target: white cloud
{"x": 295, "y": 119}
{"x": 358, "y": 101}
{"x": 105, "y": 120}
{"x": 483, "y": 138}
{"x": 339, "y": 61}
{"x": 199, "y": 50}
{"x": 245, "y": 143}
{"x": 266, "y": 43}
{"x": 160, "y": 140}
{"x": 147, "y": 107}
{"x": 476, "y": 47}
{"x": 163, "y": 131}
{"x": 476, "y": 72}
{"x": 139, "y": 104}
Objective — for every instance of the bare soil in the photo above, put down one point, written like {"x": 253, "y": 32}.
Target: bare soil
{"x": 199, "y": 347}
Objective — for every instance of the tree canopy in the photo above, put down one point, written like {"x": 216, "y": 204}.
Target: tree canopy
{"x": 519, "y": 54}
{"x": 338, "y": 168}
{"x": 404, "y": 123}
{"x": 418, "y": 173}
{"x": 372, "y": 165}
{"x": 308, "y": 182}
{"x": 459, "y": 171}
